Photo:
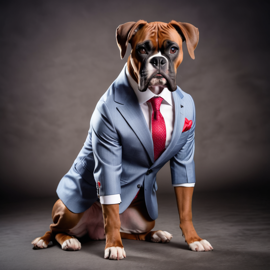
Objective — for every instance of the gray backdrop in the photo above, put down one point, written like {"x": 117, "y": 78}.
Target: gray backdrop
{"x": 58, "y": 58}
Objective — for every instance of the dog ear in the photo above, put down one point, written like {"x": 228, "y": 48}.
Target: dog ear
{"x": 189, "y": 33}
{"x": 124, "y": 33}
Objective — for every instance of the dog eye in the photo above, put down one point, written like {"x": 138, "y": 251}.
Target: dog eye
{"x": 173, "y": 50}
{"x": 142, "y": 51}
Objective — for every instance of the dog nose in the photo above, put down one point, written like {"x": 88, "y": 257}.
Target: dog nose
{"x": 158, "y": 62}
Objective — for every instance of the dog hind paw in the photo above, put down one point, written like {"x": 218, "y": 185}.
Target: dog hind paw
{"x": 202, "y": 245}
{"x": 71, "y": 244}
{"x": 39, "y": 243}
{"x": 161, "y": 236}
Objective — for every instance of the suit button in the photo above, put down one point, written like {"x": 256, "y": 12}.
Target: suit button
{"x": 148, "y": 172}
{"x": 138, "y": 186}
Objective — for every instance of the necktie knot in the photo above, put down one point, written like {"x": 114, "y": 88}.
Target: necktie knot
{"x": 155, "y": 102}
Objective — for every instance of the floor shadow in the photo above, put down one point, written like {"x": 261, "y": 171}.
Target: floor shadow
{"x": 178, "y": 245}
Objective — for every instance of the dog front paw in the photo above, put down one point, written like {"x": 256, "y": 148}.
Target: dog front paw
{"x": 202, "y": 245}
{"x": 115, "y": 253}
{"x": 161, "y": 236}
{"x": 71, "y": 244}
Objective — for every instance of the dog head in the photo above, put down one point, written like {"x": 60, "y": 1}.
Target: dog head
{"x": 156, "y": 51}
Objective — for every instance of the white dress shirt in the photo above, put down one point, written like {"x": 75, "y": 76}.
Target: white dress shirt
{"x": 167, "y": 111}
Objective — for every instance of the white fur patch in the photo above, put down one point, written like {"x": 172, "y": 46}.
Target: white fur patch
{"x": 161, "y": 236}
{"x": 202, "y": 245}
{"x": 39, "y": 243}
{"x": 115, "y": 253}
{"x": 159, "y": 55}
{"x": 71, "y": 244}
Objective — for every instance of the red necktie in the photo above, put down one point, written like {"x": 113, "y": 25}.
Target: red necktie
{"x": 158, "y": 127}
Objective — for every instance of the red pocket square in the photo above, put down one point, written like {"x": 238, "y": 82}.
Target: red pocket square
{"x": 187, "y": 125}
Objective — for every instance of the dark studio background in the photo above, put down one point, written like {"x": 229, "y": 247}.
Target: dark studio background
{"x": 58, "y": 58}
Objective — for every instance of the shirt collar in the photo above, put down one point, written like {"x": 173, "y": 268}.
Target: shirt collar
{"x": 148, "y": 94}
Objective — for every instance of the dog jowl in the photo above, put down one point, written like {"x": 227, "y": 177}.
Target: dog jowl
{"x": 110, "y": 190}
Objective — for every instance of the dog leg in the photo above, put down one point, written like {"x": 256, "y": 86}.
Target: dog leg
{"x": 63, "y": 221}
{"x": 114, "y": 248}
{"x": 184, "y": 204}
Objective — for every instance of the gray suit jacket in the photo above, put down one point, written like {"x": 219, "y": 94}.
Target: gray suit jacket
{"x": 118, "y": 152}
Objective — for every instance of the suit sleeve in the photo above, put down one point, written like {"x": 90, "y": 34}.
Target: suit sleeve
{"x": 182, "y": 164}
{"x": 107, "y": 151}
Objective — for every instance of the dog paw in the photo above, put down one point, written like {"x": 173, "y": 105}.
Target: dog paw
{"x": 39, "y": 243}
{"x": 115, "y": 253}
{"x": 71, "y": 244}
{"x": 161, "y": 236}
{"x": 202, "y": 245}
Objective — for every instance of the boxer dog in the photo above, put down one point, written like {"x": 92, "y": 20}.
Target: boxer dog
{"x": 118, "y": 141}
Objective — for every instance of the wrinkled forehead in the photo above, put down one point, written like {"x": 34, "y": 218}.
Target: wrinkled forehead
{"x": 157, "y": 33}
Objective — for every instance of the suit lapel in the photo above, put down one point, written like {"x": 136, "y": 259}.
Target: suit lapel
{"x": 130, "y": 110}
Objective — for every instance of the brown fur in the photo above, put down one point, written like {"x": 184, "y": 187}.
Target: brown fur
{"x": 63, "y": 219}
{"x": 112, "y": 225}
{"x": 184, "y": 204}
{"x": 138, "y": 236}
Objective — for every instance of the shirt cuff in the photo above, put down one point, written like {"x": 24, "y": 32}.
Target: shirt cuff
{"x": 185, "y": 185}
{"x": 110, "y": 199}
